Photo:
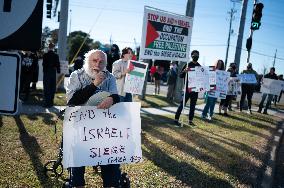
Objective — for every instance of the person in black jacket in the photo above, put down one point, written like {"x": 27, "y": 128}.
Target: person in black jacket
{"x": 270, "y": 75}
{"x": 188, "y": 94}
{"x": 50, "y": 65}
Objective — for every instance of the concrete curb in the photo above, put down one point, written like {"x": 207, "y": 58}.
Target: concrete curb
{"x": 267, "y": 181}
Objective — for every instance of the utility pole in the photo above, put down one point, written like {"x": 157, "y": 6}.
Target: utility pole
{"x": 232, "y": 12}
{"x": 62, "y": 38}
{"x": 240, "y": 34}
{"x": 273, "y": 65}
{"x": 190, "y": 7}
{"x": 62, "y": 35}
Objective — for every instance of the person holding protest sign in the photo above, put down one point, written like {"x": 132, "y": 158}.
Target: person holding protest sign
{"x": 270, "y": 75}
{"x": 119, "y": 70}
{"x": 248, "y": 89}
{"x": 210, "y": 101}
{"x": 82, "y": 84}
{"x": 188, "y": 95}
{"x": 224, "y": 104}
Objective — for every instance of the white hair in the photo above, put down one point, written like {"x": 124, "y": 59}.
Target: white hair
{"x": 87, "y": 65}
{"x": 89, "y": 53}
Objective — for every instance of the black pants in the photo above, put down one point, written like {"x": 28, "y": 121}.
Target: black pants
{"x": 193, "y": 98}
{"x": 49, "y": 87}
{"x": 247, "y": 91}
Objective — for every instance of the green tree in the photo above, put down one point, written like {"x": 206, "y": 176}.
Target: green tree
{"x": 75, "y": 40}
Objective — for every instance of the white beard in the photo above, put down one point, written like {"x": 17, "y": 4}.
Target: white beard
{"x": 90, "y": 72}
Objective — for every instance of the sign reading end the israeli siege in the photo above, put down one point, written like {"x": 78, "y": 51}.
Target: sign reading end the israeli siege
{"x": 165, "y": 36}
{"x": 94, "y": 136}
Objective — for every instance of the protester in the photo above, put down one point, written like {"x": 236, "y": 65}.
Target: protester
{"x": 152, "y": 72}
{"x": 35, "y": 69}
{"x": 119, "y": 70}
{"x": 280, "y": 77}
{"x": 82, "y": 84}
{"x": 157, "y": 79}
{"x": 210, "y": 101}
{"x": 78, "y": 63}
{"x": 248, "y": 89}
{"x": 26, "y": 75}
{"x": 188, "y": 95}
{"x": 113, "y": 56}
{"x": 224, "y": 104}
{"x": 51, "y": 65}
{"x": 270, "y": 75}
{"x": 171, "y": 81}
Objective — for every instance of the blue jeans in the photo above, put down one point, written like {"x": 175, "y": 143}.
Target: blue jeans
{"x": 126, "y": 98}
{"x": 269, "y": 99}
{"x": 209, "y": 106}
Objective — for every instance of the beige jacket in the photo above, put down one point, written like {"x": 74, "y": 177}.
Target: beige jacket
{"x": 118, "y": 68}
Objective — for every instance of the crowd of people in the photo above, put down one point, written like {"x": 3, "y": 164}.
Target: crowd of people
{"x": 99, "y": 71}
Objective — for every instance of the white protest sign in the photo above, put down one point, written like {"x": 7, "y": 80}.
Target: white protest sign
{"x": 222, "y": 81}
{"x": 98, "y": 137}
{"x": 134, "y": 80}
{"x": 234, "y": 86}
{"x": 64, "y": 68}
{"x": 271, "y": 86}
{"x": 198, "y": 79}
{"x": 10, "y": 68}
{"x": 165, "y": 35}
{"x": 247, "y": 78}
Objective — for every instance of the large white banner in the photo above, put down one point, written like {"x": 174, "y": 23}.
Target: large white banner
{"x": 165, "y": 35}
{"x": 247, "y": 78}
{"x": 198, "y": 79}
{"x": 222, "y": 81}
{"x": 271, "y": 86}
{"x": 134, "y": 80}
{"x": 97, "y": 137}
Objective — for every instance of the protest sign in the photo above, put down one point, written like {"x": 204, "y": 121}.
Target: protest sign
{"x": 198, "y": 79}
{"x": 134, "y": 80}
{"x": 98, "y": 137}
{"x": 247, "y": 78}
{"x": 234, "y": 86}
{"x": 165, "y": 35}
{"x": 222, "y": 81}
{"x": 64, "y": 68}
{"x": 271, "y": 86}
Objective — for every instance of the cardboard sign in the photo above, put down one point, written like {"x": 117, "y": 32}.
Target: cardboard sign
{"x": 134, "y": 80}
{"x": 198, "y": 79}
{"x": 234, "y": 86}
{"x": 98, "y": 137}
{"x": 165, "y": 35}
{"x": 64, "y": 68}
{"x": 222, "y": 81}
{"x": 247, "y": 78}
{"x": 271, "y": 86}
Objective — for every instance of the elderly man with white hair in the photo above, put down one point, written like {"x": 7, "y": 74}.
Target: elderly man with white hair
{"x": 82, "y": 85}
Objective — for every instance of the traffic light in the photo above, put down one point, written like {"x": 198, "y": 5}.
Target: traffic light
{"x": 256, "y": 16}
{"x": 48, "y": 8}
{"x": 249, "y": 43}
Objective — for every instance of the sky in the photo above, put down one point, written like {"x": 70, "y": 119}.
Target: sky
{"x": 121, "y": 21}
